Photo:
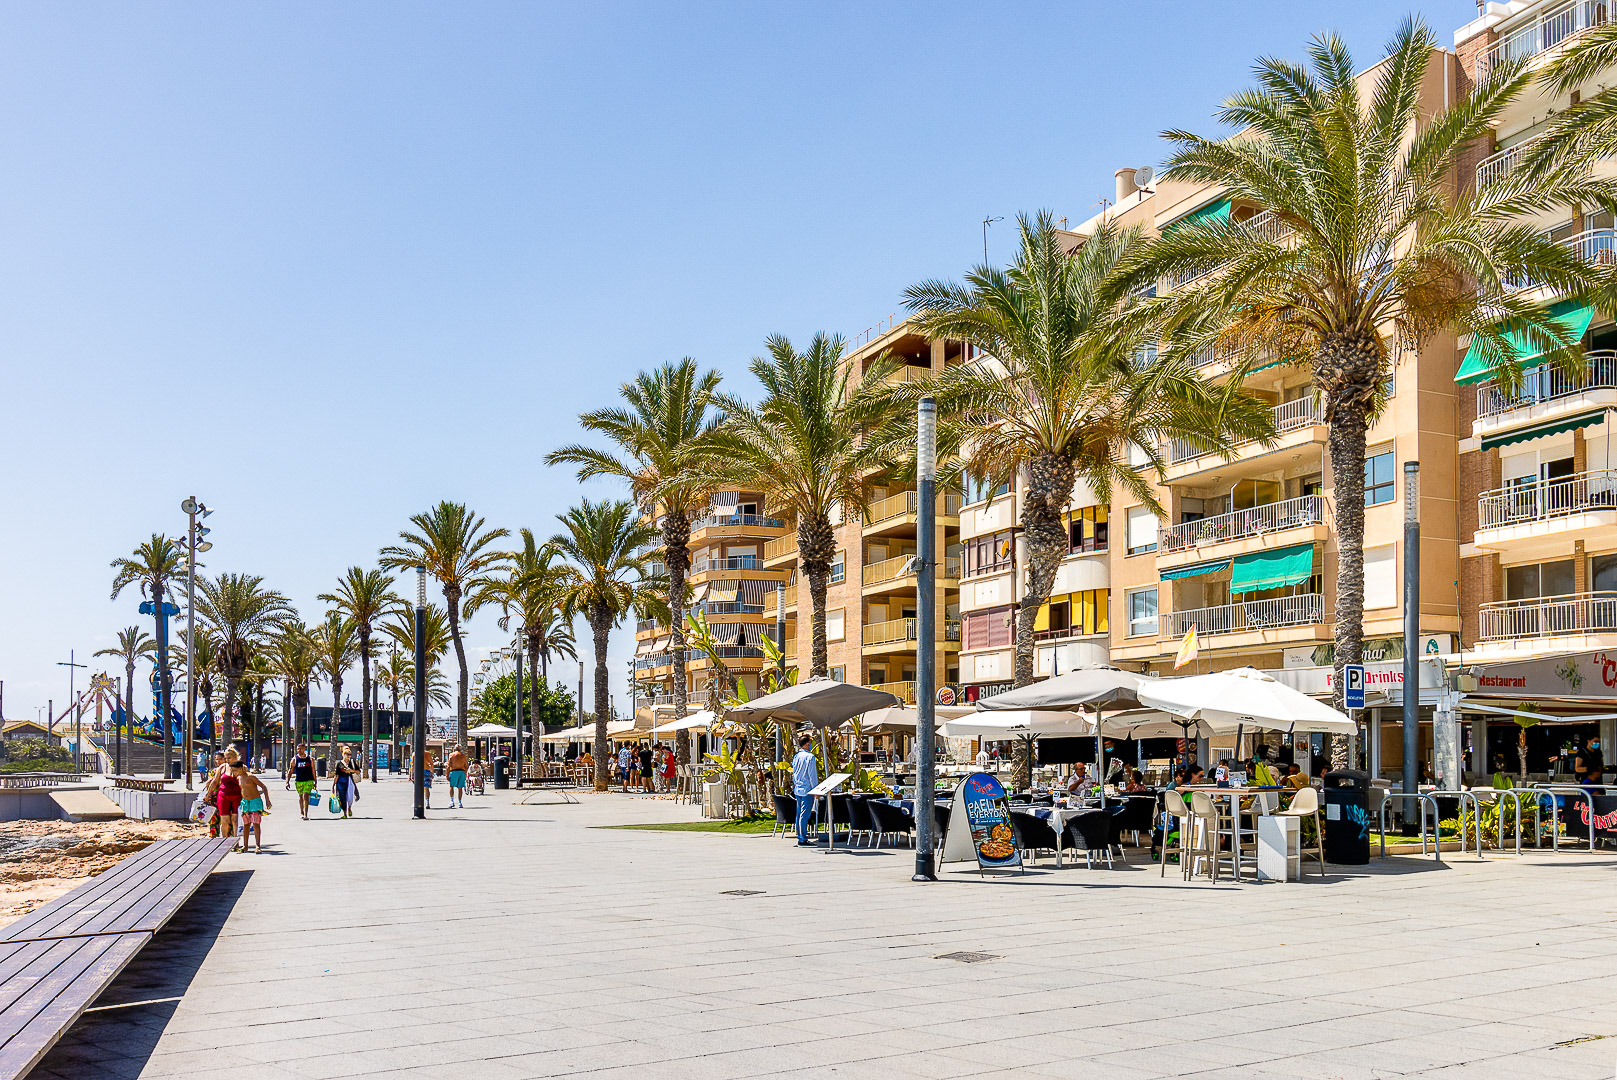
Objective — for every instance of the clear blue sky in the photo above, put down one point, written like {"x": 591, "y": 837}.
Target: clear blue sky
{"x": 323, "y": 264}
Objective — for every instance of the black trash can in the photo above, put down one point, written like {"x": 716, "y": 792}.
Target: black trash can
{"x": 320, "y": 766}
{"x": 176, "y": 769}
{"x": 501, "y": 779}
{"x": 1346, "y": 811}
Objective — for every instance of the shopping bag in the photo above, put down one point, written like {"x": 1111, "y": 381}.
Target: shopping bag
{"x": 331, "y": 804}
{"x": 201, "y": 812}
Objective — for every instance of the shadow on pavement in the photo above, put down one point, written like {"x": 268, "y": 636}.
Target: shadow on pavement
{"x": 117, "y": 1035}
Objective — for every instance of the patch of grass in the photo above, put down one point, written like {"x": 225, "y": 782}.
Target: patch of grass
{"x": 752, "y": 826}
{"x": 37, "y": 765}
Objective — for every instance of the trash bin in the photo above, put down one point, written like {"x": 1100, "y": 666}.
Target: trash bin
{"x": 176, "y": 769}
{"x": 501, "y": 780}
{"x": 320, "y": 766}
{"x": 1346, "y": 812}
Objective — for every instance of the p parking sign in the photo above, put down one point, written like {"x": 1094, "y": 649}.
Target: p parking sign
{"x": 1353, "y": 686}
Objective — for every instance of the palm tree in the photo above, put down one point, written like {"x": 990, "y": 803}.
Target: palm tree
{"x": 661, "y": 437}
{"x": 393, "y": 675}
{"x": 608, "y": 580}
{"x": 401, "y": 628}
{"x": 154, "y": 564}
{"x": 365, "y": 597}
{"x": 294, "y": 656}
{"x": 1065, "y": 396}
{"x": 336, "y": 642}
{"x": 206, "y": 665}
{"x": 531, "y": 591}
{"x": 241, "y": 615}
{"x": 1372, "y": 235}
{"x": 133, "y": 643}
{"x": 452, "y": 543}
{"x": 800, "y": 448}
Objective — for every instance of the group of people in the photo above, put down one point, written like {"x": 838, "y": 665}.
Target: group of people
{"x": 303, "y": 776}
{"x": 641, "y": 767}
{"x": 238, "y": 798}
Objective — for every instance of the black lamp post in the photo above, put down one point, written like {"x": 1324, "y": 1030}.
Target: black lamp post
{"x": 418, "y": 734}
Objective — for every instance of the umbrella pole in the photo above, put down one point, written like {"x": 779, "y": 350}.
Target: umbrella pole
{"x": 1100, "y": 757}
{"x": 830, "y": 823}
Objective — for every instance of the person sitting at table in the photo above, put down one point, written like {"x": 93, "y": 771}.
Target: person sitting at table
{"x": 1136, "y": 782}
{"x": 1078, "y": 781}
{"x": 1296, "y": 779}
{"x": 1221, "y": 773}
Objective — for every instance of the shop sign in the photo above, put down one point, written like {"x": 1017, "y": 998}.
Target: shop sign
{"x": 1574, "y": 676}
{"x": 1378, "y": 678}
{"x": 980, "y": 825}
{"x": 1373, "y": 651}
{"x": 1602, "y": 819}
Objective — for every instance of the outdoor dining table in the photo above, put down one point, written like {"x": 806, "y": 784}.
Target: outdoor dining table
{"x": 1058, "y": 816}
{"x": 1235, "y": 795}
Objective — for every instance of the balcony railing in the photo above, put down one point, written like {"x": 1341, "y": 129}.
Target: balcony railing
{"x": 999, "y": 567}
{"x": 1549, "y": 616}
{"x": 758, "y": 521}
{"x": 1494, "y": 167}
{"x": 905, "y": 503}
{"x": 1271, "y": 517}
{"x": 904, "y": 690}
{"x": 726, "y": 652}
{"x": 1545, "y": 500}
{"x": 1597, "y": 247}
{"x": 1303, "y": 610}
{"x": 733, "y": 562}
{"x": 895, "y": 631}
{"x": 1552, "y": 29}
{"x": 780, "y": 547}
{"x": 1547, "y": 383}
{"x": 1064, "y": 632}
{"x": 894, "y": 570}
{"x": 731, "y": 607}
{"x": 1289, "y": 416}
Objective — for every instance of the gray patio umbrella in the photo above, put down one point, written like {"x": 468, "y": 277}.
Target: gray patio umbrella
{"x": 1089, "y": 686}
{"x": 818, "y": 701}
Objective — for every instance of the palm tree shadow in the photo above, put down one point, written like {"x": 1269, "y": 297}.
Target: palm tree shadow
{"x": 119, "y": 1033}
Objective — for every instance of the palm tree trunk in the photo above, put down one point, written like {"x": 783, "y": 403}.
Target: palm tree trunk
{"x": 601, "y": 629}
{"x": 162, "y": 673}
{"x": 336, "y": 713}
{"x": 816, "y": 547}
{"x": 677, "y": 561}
{"x": 260, "y": 741}
{"x": 452, "y": 600}
{"x": 231, "y": 684}
{"x": 125, "y": 765}
{"x": 365, "y": 686}
{"x": 1049, "y": 487}
{"x": 535, "y": 726}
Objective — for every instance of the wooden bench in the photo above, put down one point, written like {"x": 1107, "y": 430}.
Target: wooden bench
{"x": 57, "y": 959}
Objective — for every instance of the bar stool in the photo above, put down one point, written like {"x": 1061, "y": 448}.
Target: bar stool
{"x": 1212, "y": 825}
{"x": 1177, "y": 818}
{"x": 1305, "y": 804}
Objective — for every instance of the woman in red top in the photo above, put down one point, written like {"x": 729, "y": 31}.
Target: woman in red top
{"x": 227, "y": 797}
{"x": 669, "y": 770}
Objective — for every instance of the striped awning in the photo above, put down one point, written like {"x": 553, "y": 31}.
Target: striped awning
{"x": 1196, "y": 570}
{"x": 1538, "y": 431}
{"x": 757, "y": 592}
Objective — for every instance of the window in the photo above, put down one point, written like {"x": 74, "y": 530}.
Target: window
{"x": 1074, "y": 614}
{"x": 989, "y": 554}
{"x": 1603, "y": 574}
{"x": 1142, "y": 612}
{"x": 839, "y": 674}
{"x": 1380, "y": 478}
{"x": 1539, "y": 579}
{"x": 1142, "y": 530}
{"x": 1381, "y": 577}
{"x": 978, "y": 488}
{"x": 836, "y": 624}
{"x": 987, "y": 629}
{"x": 839, "y": 567}
{"x": 1086, "y": 529}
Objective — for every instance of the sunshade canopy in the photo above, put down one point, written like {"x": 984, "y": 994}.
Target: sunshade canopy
{"x": 818, "y": 701}
{"x": 694, "y": 720}
{"x": 1272, "y": 569}
{"x": 1243, "y": 697}
{"x": 1214, "y": 212}
{"x": 904, "y": 718}
{"x": 1195, "y": 570}
{"x": 1020, "y": 724}
{"x": 1538, "y": 431}
{"x": 1087, "y": 686}
{"x": 491, "y": 731}
{"x": 1573, "y": 317}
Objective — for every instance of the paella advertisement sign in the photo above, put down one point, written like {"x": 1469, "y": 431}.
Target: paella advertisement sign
{"x": 981, "y": 800}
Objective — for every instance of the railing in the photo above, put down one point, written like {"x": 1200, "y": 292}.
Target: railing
{"x": 894, "y": 570}
{"x": 895, "y": 631}
{"x": 650, "y": 624}
{"x": 707, "y": 521}
{"x": 904, "y": 690}
{"x": 1550, "y": 30}
{"x": 726, "y": 652}
{"x": 999, "y": 567}
{"x": 1303, "y": 610}
{"x": 1289, "y": 416}
{"x": 733, "y": 562}
{"x": 1545, "y": 500}
{"x": 1546, "y": 616}
{"x": 1267, "y": 223}
{"x": 732, "y": 607}
{"x": 894, "y": 506}
{"x": 910, "y": 373}
{"x": 1496, "y": 166}
{"x": 1065, "y": 632}
{"x": 790, "y": 600}
{"x": 1547, "y": 383}
{"x": 780, "y": 547}
{"x": 1271, "y": 517}
{"x": 1597, "y": 247}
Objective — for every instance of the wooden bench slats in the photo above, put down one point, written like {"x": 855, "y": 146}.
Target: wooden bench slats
{"x": 99, "y": 890}
{"x": 52, "y": 990}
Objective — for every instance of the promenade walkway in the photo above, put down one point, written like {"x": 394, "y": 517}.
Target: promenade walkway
{"x": 506, "y": 941}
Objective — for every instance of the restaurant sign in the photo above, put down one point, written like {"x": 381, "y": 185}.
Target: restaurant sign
{"x": 1597, "y": 813}
{"x": 1585, "y": 676}
{"x": 980, "y": 825}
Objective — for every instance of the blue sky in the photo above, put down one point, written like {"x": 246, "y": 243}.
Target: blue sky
{"x": 322, "y": 265}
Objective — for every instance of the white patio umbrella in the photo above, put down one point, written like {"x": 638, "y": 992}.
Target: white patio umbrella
{"x": 900, "y": 719}
{"x": 492, "y": 731}
{"x": 1226, "y": 700}
{"x": 1019, "y": 724}
{"x": 1095, "y": 687}
{"x": 701, "y": 719}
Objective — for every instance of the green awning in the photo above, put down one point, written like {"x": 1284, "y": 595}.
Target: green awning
{"x": 1213, "y": 212}
{"x": 1573, "y": 317}
{"x": 1195, "y": 570}
{"x": 1272, "y": 569}
{"x": 1538, "y": 431}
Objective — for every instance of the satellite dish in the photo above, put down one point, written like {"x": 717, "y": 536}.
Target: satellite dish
{"x": 1143, "y": 176}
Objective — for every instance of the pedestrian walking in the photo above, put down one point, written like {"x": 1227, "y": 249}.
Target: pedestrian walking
{"x": 623, "y": 766}
{"x": 455, "y": 773}
{"x": 255, "y": 803}
{"x": 648, "y": 782}
{"x": 302, "y": 777}
{"x": 346, "y": 786}
{"x": 227, "y": 792}
{"x": 805, "y": 778}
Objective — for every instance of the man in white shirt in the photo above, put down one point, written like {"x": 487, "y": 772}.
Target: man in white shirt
{"x": 805, "y": 778}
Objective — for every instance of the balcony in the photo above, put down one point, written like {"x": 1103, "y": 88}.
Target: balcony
{"x": 897, "y": 514}
{"x": 1514, "y": 625}
{"x": 904, "y": 691}
{"x": 1295, "y": 425}
{"x": 1551, "y": 30}
{"x": 1255, "y": 617}
{"x": 1496, "y": 166}
{"x": 1544, "y": 518}
{"x": 732, "y": 562}
{"x": 1545, "y": 383}
{"x": 736, "y": 521}
{"x": 1242, "y": 531}
{"x": 899, "y": 635}
{"x": 1002, "y": 566}
{"x": 781, "y": 552}
{"x": 791, "y": 598}
{"x": 891, "y": 575}
{"x": 1597, "y": 247}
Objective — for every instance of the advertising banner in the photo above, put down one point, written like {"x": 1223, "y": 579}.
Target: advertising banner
{"x": 1603, "y": 821}
{"x": 981, "y": 816}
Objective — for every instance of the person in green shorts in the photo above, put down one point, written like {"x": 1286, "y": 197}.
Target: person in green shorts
{"x": 303, "y": 777}
{"x": 455, "y": 770}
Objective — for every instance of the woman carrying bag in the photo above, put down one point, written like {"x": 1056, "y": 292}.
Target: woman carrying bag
{"x": 345, "y": 789}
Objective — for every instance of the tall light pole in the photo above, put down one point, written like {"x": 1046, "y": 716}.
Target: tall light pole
{"x": 73, "y": 703}
{"x": 194, "y": 542}
{"x": 518, "y": 724}
{"x": 418, "y": 732}
{"x": 987, "y": 221}
{"x": 1411, "y": 638}
{"x": 926, "y": 467}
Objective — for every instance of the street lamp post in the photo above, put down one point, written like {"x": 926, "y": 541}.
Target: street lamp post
{"x": 926, "y": 462}
{"x": 73, "y": 703}
{"x": 194, "y": 542}
{"x": 518, "y": 724}
{"x": 418, "y": 733}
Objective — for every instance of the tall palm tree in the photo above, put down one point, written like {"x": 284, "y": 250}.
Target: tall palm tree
{"x": 393, "y": 675}
{"x": 365, "y": 597}
{"x": 455, "y": 547}
{"x": 241, "y": 615}
{"x": 206, "y": 666}
{"x": 401, "y": 629}
{"x": 800, "y": 448}
{"x": 609, "y": 579}
{"x": 294, "y": 656}
{"x": 530, "y": 592}
{"x": 336, "y": 642}
{"x": 133, "y": 643}
{"x": 153, "y": 565}
{"x": 661, "y": 437}
{"x": 1374, "y": 235}
{"x": 1064, "y": 397}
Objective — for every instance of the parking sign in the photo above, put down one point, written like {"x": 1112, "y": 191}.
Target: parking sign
{"x": 1353, "y": 686}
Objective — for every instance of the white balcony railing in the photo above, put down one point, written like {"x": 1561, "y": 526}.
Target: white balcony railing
{"x": 1302, "y": 610}
{"x": 1271, "y": 517}
{"x": 1545, "y": 382}
{"x": 1554, "y": 27}
{"x": 732, "y": 562}
{"x": 1289, "y": 416}
{"x": 707, "y": 521}
{"x": 1494, "y": 167}
{"x": 1597, "y": 247}
{"x": 1545, "y": 500}
{"x": 1549, "y": 616}
{"x": 896, "y": 631}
